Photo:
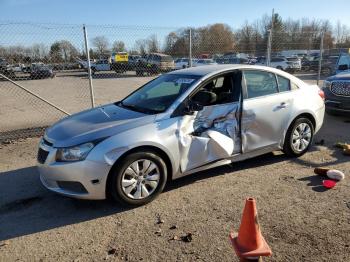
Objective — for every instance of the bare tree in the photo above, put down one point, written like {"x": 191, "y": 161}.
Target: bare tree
{"x": 153, "y": 44}
{"x": 101, "y": 44}
{"x": 118, "y": 46}
{"x": 141, "y": 45}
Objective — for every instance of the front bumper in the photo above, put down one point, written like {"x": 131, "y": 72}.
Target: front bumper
{"x": 81, "y": 179}
{"x": 336, "y": 103}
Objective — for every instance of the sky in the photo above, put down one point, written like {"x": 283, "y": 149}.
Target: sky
{"x": 26, "y": 22}
{"x": 168, "y": 13}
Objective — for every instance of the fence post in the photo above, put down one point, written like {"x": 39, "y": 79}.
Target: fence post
{"x": 269, "y": 40}
{"x": 89, "y": 67}
{"x": 320, "y": 60}
{"x": 268, "y": 57}
{"x": 190, "y": 49}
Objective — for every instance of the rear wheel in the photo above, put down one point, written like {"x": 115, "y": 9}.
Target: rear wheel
{"x": 299, "y": 137}
{"x": 139, "y": 179}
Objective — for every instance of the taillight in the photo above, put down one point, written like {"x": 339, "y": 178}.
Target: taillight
{"x": 321, "y": 94}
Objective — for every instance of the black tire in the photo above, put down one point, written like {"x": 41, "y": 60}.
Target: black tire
{"x": 279, "y": 67}
{"x": 115, "y": 186}
{"x": 288, "y": 147}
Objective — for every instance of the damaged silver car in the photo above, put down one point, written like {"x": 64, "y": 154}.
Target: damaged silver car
{"x": 177, "y": 124}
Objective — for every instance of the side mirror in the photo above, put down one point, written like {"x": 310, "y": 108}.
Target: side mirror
{"x": 343, "y": 67}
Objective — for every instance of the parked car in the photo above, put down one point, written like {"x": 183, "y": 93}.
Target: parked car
{"x": 41, "y": 71}
{"x": 233, "y": 60}
{"x": 328, "y": 64}
{"x": 133, "y": 61}
{"x": 17, "y": 67}
{"x": 294, "y": 63}
{"x": 100, "y": 65}
{"x": 182, "y": 63}
{"x": 204, "y": 62}
{"x": 280, "y": 63}
{"x": 6, "y": 69}
{"x": 155, "y": 63}
{"x": 337, "y": 93}
{"x": 175, "y": 125}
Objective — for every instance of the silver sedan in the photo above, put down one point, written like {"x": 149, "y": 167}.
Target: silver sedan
{"x": 177, "y": 124}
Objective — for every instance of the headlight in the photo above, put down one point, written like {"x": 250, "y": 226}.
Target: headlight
{"x": 326, "y": 84}
{"x": 75, "y": 153}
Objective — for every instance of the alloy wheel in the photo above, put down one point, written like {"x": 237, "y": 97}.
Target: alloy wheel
{"x": 140, "y": 179}
{"x": 301, "y": 137}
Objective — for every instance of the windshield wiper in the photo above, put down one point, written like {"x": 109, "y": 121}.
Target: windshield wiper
{"x": 137, "y": 109}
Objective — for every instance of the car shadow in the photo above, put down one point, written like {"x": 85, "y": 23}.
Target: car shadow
{"x": 26, "y": 207}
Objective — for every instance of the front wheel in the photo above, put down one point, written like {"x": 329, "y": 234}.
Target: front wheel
{"x": 299, "y": 137}
{"x": 139, "y": 179}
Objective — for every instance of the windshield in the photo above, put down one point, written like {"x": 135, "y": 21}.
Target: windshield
{"x": 156, "y": 96}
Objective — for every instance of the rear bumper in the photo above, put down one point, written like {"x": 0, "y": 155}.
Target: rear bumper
{"x": 319, "y": 118}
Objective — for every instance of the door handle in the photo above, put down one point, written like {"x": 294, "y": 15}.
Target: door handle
{"x": 282, "y": 105}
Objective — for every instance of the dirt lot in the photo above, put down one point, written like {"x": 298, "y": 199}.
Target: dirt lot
{"x": 300, "y": 220}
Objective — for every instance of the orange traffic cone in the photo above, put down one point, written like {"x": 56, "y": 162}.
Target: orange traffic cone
{"x": 250, "y": 242}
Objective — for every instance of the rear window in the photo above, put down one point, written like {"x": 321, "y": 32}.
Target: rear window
{"x": 283, "y": 84}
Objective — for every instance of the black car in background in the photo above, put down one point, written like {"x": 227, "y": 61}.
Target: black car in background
{"x": 41, "y": 71}
{"x": 231, "y": 60}
{"x": 337, "y": 94}
{"x": 327, "y": 67}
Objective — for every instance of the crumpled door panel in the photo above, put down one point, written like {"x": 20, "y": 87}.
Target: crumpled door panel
{"x": 209, "y": 135}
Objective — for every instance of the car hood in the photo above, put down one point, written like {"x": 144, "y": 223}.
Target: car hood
{"x": 94, "y": 124}
{"x": 340, "y": 76}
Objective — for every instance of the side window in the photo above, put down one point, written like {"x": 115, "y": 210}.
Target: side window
{"x": 260, "y": 83}
{"x": 283, "y": 83}
{"x": 224, "y": 89}
{"x": 344, "y": 60}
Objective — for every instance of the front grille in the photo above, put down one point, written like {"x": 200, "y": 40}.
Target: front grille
{"x": 341, "y": 88}
{"x": 42, "y": 155}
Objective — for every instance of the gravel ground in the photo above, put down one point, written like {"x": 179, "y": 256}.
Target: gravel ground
{"x": 300, "y": 220}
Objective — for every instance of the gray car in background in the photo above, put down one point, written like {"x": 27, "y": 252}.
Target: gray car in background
{"x": 177, "y": 124}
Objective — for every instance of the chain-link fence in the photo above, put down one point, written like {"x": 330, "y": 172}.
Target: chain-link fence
{"x": 48, "y": 71}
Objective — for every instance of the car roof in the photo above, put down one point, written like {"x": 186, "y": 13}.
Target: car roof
{"x": 209, "y": 70}
{"x": 214, "y": 69}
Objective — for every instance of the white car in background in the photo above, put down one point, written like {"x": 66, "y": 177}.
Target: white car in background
{"x": 203, "y": 62}
{"x": 182, "y": 63}
{"x": 280, "y": 63}
{"x": 294, "y": 63}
